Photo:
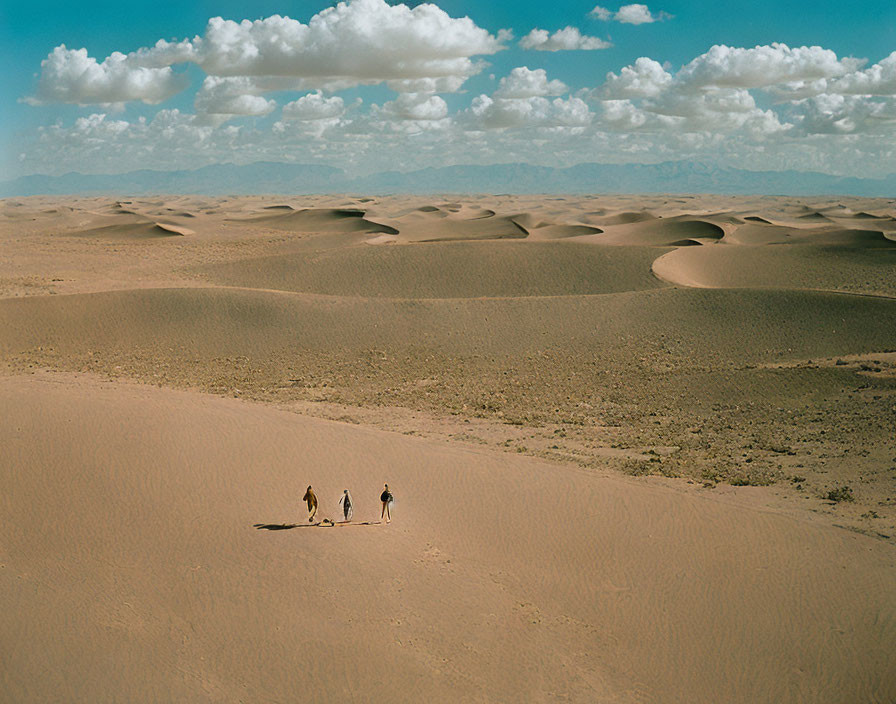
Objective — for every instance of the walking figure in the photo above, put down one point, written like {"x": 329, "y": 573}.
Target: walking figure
{"x": 387, "y": 499}
{"x": 311, "y": 500}
{"x": 346, "y": 501}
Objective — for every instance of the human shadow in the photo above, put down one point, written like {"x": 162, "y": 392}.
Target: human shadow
{"x": 319, "y": 524}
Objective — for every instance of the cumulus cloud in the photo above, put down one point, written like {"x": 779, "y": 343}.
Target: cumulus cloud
{"x": 646, "y": 78}
{"x": 720, "y": 110}
{"x": 566, "y": 39}
{"x": 623, "y": 115}
{"x": 520, "y": 103}
{"x": 879, "y": 79}
{"x": 356, "y": 42}
{"x": 71, "y": 76}
{"x": 525, "y": 83}
{"x": 314, "y": 106}
{"x": 232, "y": 97}
{"x": 502, "y": 113}
{"x": 630, "y": 14}
{"x": 762, "y": 66}
{"x": 414, "y": 106}
{"x": 713, "y": 94}
{"x": 829, "y": 112}
{"x": 846, "y": 114}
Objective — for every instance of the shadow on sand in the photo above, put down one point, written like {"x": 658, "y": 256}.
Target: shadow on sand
{"x": 319, "y": 524}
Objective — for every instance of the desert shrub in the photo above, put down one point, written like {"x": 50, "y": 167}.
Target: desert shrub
{"x": 840, "y": 493}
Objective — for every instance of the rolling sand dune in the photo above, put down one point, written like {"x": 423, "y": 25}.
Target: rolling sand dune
{"x": 137, "y": 230}
{"x": 663, "y": 232}
{"x": 646, "y": 472}
{"x": 426, "y": 226}
{"x": 447, "y": 270}
{"x": 322, "y": 220}
{"x": 624, "y": 218}
{"x": 853, "y": 270}
{"x": 560, "y": 232}
{"x": 133, "y": 562}
{"x": 213, "y": 322}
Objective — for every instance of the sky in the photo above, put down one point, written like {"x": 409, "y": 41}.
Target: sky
{"x": 370, "y": 85}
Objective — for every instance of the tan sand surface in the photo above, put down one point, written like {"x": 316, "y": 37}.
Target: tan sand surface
{"x": 131, "y": 555}
{"x": 654, "y": 461}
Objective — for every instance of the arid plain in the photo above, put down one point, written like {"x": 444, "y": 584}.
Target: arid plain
{"x": 642, "y": 448}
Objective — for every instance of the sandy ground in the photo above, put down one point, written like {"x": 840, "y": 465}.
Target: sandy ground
{"x": 654, "y": 456}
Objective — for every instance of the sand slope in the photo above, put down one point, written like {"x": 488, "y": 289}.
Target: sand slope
{"x": 172, "y": 324}
{"x": 447, "y": 270}
{"x": 137, "y": 575}
{"x": 319, "y": 220}
{"x": 855, "y": 270}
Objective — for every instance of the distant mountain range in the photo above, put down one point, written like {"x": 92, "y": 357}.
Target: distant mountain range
{"x": 299, "y": 179}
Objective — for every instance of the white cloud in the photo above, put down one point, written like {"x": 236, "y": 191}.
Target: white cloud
{"x": 71, "y": 76}
{"x": 314, "y": 106}
{"x": 846, "y": 114}
{"x": 503, "y": 113}
{"x": 762, "y": 66}
{"x": 646, "y": 78}
{"x": 566, "y": 39}
{"x": 232, "y": 97}
{"x": 414, "y": 106}
{"x": 630, "y": 14}
{"x": 360, "y": 41}
{"x": 830, "y": 113}
{"x": 356, "y": 42}
{"x": 879, "y": 79}
{"x": 622, "y": 115}
{"x": 442, "y": 84}
{"x": 525, "y": 83}
{"x": 720, "y": 111}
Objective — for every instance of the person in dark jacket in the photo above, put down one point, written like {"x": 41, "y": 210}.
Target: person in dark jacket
{"x": 346, "y": 501}
{"x": 387, "y": 499}
{"x": 311, "y": 500}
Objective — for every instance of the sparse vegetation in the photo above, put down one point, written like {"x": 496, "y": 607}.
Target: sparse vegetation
{"x": 840, "y": 493}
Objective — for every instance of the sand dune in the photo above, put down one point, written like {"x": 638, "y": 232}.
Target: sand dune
{"x": 322, "y": 220}
{"x": 623, "y": 218}
{"x": 441, "y": 227}
{"x": 145, "y": 577}
{"x": 815, "y": 216}
{"x": 662, "y": 232}
{"x": 560, "y": 232}
{"x": 636, "y": 468}
{"x": 832, "y": 235}
{"x": 172, "y": 324}
{"x": 133, "y": 230}
{"x": 447, "y": 270}
{"x": 863, "y": 270}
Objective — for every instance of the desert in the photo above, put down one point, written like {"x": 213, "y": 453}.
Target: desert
{"x": 642, "y": 448}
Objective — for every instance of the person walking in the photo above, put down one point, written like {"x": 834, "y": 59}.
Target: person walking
{"x": 346, "y": 501}
{"x": 311, "y": 500}
{"x": 387, "y": 499}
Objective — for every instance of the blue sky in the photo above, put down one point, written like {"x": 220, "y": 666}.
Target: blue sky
{"x": 803, "y": 106}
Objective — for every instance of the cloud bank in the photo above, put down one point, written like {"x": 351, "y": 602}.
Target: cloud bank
{"x": 271, "y": 91}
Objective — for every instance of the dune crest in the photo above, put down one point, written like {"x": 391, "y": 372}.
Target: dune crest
{"x": 322, "y": 220}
